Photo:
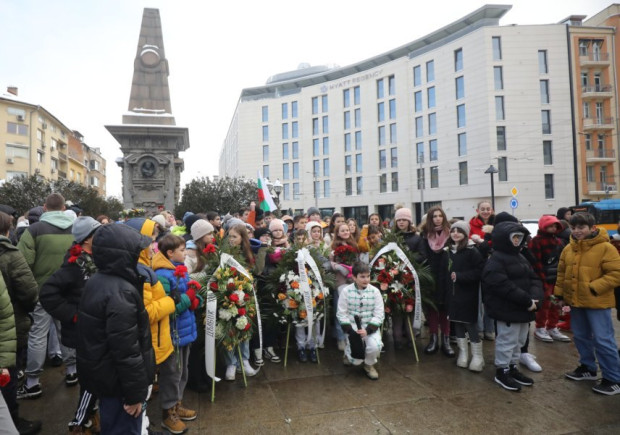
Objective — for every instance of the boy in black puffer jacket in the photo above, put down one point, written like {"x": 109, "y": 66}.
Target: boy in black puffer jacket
{"x": 512, "y": 293}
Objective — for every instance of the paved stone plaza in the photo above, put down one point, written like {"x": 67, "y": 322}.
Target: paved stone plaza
{"x": 432, "y": 396}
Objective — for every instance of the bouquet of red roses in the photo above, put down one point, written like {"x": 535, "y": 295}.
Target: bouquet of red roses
{"x": 345, "y": 254}
{"x": 396, "y": 283}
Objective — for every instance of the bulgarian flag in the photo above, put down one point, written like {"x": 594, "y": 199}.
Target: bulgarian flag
{"x": 265, "y": 201}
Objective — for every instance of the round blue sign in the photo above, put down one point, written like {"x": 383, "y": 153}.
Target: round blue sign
{"x": 514, "y": 203}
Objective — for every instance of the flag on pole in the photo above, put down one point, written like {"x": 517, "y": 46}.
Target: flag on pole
{"x": 265, "y": 201}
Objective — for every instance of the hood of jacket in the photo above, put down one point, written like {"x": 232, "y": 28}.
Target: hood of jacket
{"x": 599, "y": 236}
{"x": 57, "y": 218}
{"x": 501, "y": 237}
{"x": 116, "y": 249}
{"x": 6, "y": 245}
{"x": 146, "y": 228}
{"x": 160, "y": 261}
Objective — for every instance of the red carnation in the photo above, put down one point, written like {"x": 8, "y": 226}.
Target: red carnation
{"x": 209, "y": 249}
{"x": 75, "y": 250}
{"x": 230, "y": 286}
{"x": 241, "y": 311}
{"x": 214, "y": 286}
{"x": 248, "y": 326}
{"x": 233, "y": 270}
{"x": 194, "y": 285}
{"x": 180, "y": 271}
{"x": 234, "y": 297}
{"x": 72, "y": 259}
{"x": 246, "y": 297}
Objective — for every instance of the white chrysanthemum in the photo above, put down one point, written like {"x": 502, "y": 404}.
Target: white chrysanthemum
{"x": 225, "y": 314}
{"x": 282, "y": 278}
{"x": 241, "y": 323}
{"x": 219, "y": 331}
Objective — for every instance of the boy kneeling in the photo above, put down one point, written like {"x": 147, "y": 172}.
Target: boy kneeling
{"x": 364, "y": 301}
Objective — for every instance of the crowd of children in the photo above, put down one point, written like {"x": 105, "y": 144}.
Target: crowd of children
{"x": 126, "y": 300}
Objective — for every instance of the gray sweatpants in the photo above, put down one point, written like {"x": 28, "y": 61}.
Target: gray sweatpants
{"x": 509, "y": 341}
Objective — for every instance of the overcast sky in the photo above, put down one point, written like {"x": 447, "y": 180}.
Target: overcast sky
{"x": 75, "y": 57}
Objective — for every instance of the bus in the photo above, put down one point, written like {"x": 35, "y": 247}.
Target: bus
{"x": 606, "y": 212}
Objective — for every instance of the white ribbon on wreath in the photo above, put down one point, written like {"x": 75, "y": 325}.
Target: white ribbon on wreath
{"x": 303, "y": 258}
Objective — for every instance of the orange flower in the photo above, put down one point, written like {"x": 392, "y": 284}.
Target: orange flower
{"x": 281, "y": 296}
{"x": 292, "y": 303}
{"x": 314, "y": 302}
{"x": 320, "y": 296}
{"x": 302, "y": 314}
{"x": 295, "y": 285}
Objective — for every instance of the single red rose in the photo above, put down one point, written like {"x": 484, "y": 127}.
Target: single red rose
{"x": 209, "y": 249}
{"x": 214, "y": 286}
{"x": 241, "y": 311}
{"x": 233, "y": 298}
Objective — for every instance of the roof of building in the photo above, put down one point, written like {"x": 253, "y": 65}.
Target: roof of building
{"x": 15, "y": 99}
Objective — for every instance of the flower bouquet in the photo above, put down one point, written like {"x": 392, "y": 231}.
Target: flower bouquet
{"x": 345, "y": 256}
{"x": 396, "y": 283}
{"x": 132, "y": 213}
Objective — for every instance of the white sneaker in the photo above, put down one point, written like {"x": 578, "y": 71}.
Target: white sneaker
{"x": 542, "y": 335}
{"x": 230, "y": 373}
{"x": 249, "y": 370}
{"x": 341, "y": 345}
{"x": 258, "y": 357}
{"x": 529, "y": 361}
{"x": 557, "y": 335}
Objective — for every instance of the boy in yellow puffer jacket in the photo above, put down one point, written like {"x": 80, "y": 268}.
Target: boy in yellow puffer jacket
{"x": 588, "y": 272}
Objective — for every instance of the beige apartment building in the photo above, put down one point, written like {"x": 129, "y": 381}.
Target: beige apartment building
{"x": 34, "y": 142}
{"x": 422, "y": 124}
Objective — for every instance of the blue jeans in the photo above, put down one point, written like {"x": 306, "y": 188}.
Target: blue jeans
{"x": 594, "y": 338}
{"x": 232, "y": 356}
{"x": 114, "y": 419}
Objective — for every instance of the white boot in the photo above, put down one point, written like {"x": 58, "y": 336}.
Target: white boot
{"x": 463, "y": 354}
{"x": 249, "y": 370}
{"x": 477, "y": 360}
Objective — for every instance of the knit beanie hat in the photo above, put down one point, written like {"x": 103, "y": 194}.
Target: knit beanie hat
{"x": 186, "y": 215}
{"x": 160, "y": 220}
{"x": 403, "y": 213}
{"x": 461, "y": 225}
{"x": 312, "y": 224}
{"x": 276, "y": 224}
{"x": 561, "y": 212}
{"x": 547, "y": 220}
{"x": 313, "y": 210}
{"x": 259, "y": 232}
{"x": 200, "y": 229}
{"x": 232, "y": 222}
{"x": 34, "y": 214}
{"x": 504, "y": 217}
{"x": 83, "y": 227}
{"x": 189, "y": 221}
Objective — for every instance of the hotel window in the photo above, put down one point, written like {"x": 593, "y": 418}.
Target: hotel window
{"x": 265, "y": 153}
{"x": 294, "y": 113}
{"x": 326, "y": 188}
{"x": 462, "y": 139}
{"x": 381, "y": 135}
{"x": 316, "y": 168}
{"x": 381, "y": 112}
{"x": 358, "y": 163}
{"x": 358, "y": 140}
{"x": 295, "y": 127}
{"x": 324, "y": 105}
{"x": 549, "y": 194}
{"x": 284, "y": 110}
{"x": 460, "y": 87}
{"x": 266, "y": 171}
{"x": 359, "y": 185}
{"x": 265, "y": 111}
{"x": 347, "y": 120}
{"x": 430, "y": 96}
{"x": 460, "y": 116}
{"x": 295, "y": 150}
{"x": 462, "y": 173}
{"x": 315, "y": 147}
{"x": 434, "y": 176}
{"x": 430, "y": 71}
{"x": 417, "y": 75}
{"x": 382, "y": 183}
{"x": 356, "y": 95}
{"x": 265, "y": 133}
{"x": 584, "y": 79}
{"x": 358, "y": 118}
{"x": 497, "y": 48}
{"x": 546, "y": 121}
{"x": 547, "y": 152}
{"x": 326, "y": 167}
{"x": 499, "y": 78}
{"x": 295, "y": 170}
{"x": 394, "y": 181}
{"x": 348, "y": 186}
{"x": 346, "y": 97}
{"x": 393, "y": 134}
{"x": 382, "y": 159}
{"x": 458, "y": 59}
{"x": 315, "y": 105}
{"x": 421, "y": 183}
{"x": 315, "y": 126}
{"x": 347, "y": 164}
{"x": 380, "y": 90}
{"x": 419, "y": 152}
{"x": 432, "y": 123}
{"x": 394, "y": 158}
{"x": 325, "y": 146}
{"x": 285, "y": 171}
{"x": 417, "y": 97}
{"x": 432, "y": 148}
{"x": 347, "y": 142}
{"x": 542, "y": 62}
{"x": 419, "y": 126}
{"x": 499, "y": 109}
{"x": 590, "y": 174}
{"x": 325, "y": 125}
{"x": 588, "y": 141}
{"x": 392, "y": 109}
{"x": 392, "y": 85}
{"x": 544, "y": 91}
{"x": 501, "y": 138}
{"x": 284, "y": 131}
{"x": 502, "y": 166}
{"x": 287, "y": 191}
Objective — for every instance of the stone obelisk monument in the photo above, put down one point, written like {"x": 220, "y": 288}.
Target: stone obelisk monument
{"x": 149, "y": 138}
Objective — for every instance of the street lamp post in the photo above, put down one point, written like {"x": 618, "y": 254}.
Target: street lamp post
{"x": 491, "y": 170}
{"x": 277, "y": 188}
{"x": 316, "y": 196}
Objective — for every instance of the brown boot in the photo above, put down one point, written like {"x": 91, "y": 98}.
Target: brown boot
{"x": 185, "y": 414}
{"x": 171, "y": 422}
{"x": 95, "y": 426}
{"x": 79, "y": 430}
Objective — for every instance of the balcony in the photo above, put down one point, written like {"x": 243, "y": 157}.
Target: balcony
{"x": 62, "y": 174}
{"x": 606, "y": 123}
{"x": 62, "y": 156}
{"x": 594, "y": 58}
{"x": 598, "y": 188}
{"x": 596, "y": 91}
{"x": 601, "y": 155}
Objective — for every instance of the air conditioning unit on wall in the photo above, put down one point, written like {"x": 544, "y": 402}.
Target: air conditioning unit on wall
{"x": 10, "y": 160}
{"x": 21, "y": 118}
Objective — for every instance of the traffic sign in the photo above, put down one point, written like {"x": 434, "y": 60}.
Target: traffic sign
{"x": 514, "y": 192}
{"x": 514, "y": 203}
